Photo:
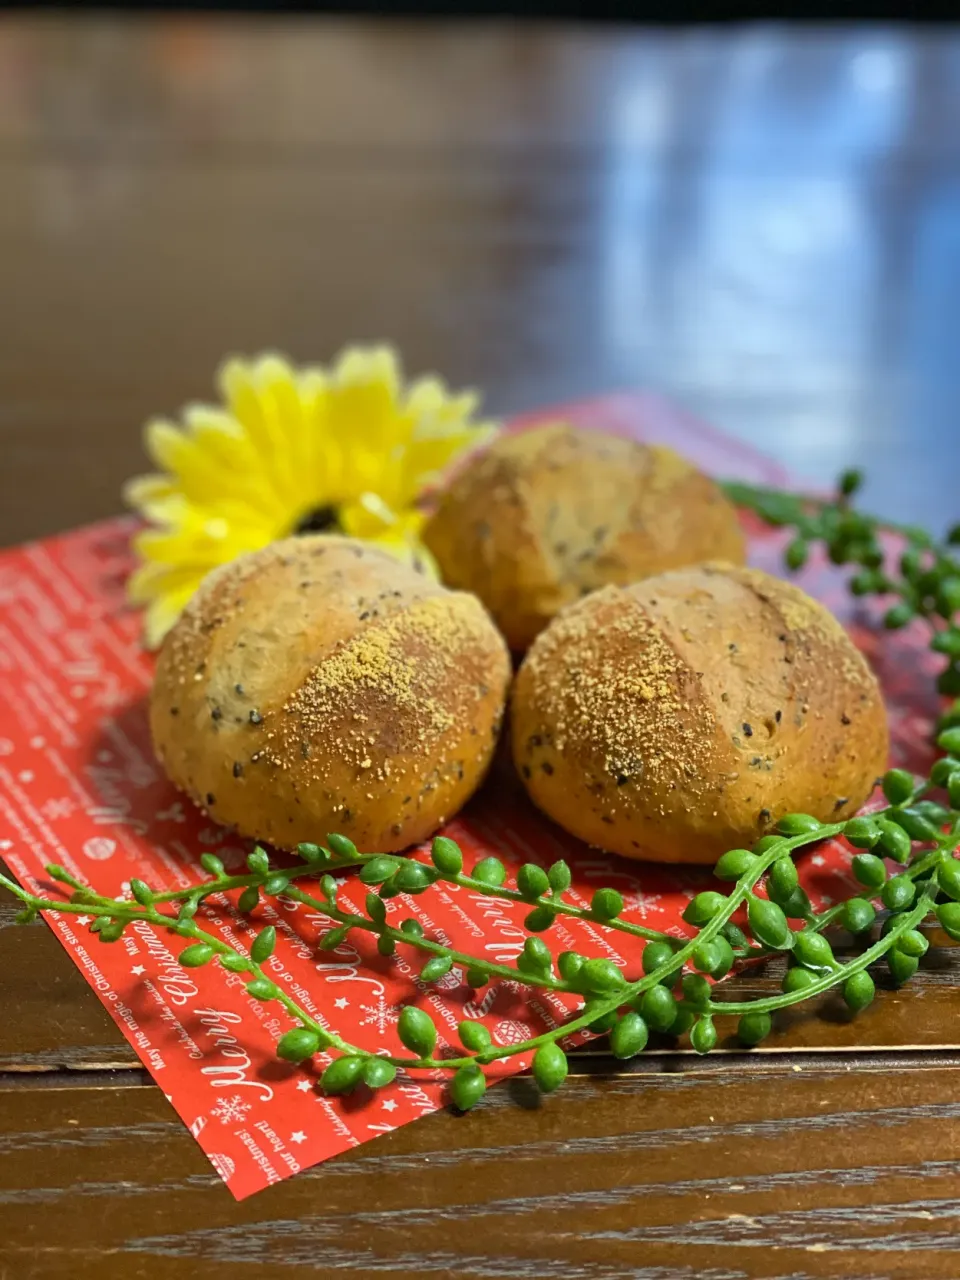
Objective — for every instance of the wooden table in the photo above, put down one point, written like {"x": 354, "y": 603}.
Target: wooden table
{"x": 763, "y": 224}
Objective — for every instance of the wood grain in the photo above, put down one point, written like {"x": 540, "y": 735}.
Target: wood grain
{"x": 762, "y": 224}
{"x": 699, "y": 1171}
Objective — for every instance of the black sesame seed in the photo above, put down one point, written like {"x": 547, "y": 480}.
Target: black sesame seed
{"x": 765, "y": 815}
{"x": 607, "y": 820}
{"x": 174, "y": 711}
{"x": 237, "y": 769}
{"x": 211, "y": 798}
{"x": 747, "y": 730}
{"x": 841, "y": 801}
{"x": 732, "y": 647}
{"x": 845, "y": 719}
{"x": 547, "y": 768}
{"x": 216, "y": 714}
{"x": 778, "y": 716}
{"x": 622, "y": 779}
{"x": 364, "y": 616}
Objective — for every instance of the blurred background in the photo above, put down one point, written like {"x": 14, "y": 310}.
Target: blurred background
{"x": 761, "y": 221}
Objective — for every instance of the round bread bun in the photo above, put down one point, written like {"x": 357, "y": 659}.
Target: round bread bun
{"x": 545, "y": 516}
{"x": 321, "y": 686}
{"x": 682, "y": 716}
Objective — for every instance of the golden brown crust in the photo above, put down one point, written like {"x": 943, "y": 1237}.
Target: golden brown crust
{"x": 545, "y": 516}
{"x": 680, "y": 717}
{"x": 320, "y": 686}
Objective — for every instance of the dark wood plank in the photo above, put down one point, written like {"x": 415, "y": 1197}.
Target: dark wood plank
{"x": 699, "y": 1172}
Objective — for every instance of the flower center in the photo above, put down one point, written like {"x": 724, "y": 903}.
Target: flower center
{"x": 324, "y": 519}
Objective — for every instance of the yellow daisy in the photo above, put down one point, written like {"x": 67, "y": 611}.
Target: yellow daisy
{"x": 349, "y": 449}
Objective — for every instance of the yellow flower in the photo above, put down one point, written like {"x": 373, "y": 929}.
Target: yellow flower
{"x": 349, "y": 449}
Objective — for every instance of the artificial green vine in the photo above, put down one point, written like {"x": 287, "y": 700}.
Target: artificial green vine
{"x": 673, "y": 994}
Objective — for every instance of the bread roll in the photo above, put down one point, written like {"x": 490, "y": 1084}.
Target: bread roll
{"x": 546, "y": 516}
{"x": 319, "y": 685}
{"x": 681, "y": 717}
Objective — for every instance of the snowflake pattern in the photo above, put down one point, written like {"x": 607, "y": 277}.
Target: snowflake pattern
{"x": 231, "y": 1110}
{"x": 380, "y": 1015}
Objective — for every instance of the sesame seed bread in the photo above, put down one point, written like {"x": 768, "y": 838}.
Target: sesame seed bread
{"x": 542, "y": 517}
{"x": 680, "y": 717}
{"x": 320, "y": 685}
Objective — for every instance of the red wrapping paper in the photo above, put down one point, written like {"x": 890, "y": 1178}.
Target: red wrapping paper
{"x": 79, "y": 785}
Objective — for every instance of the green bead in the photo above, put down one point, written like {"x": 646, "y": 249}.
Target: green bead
{"x": 142, "y": 892}
{"x": 683, "y": 1021}
{"x": 235, "y": 963}
{"x": 797, "y": 906}
{"x": 869, "y": 870}
{"x": 490, "y": 871}
{"x": 606, "y": 904}
{"x": 948, "y": 878}
{"x": 734, "y": 864}
{"x": 782, "y": 879}
{"x": 436, "y": 968}
{"x": 343, "y": 1074}
{"x": 696, "y": 989}
{"x": 797, "y": 979}
{"x": 258, "y": 862}
{"x": 858, "y": 915}
{"x": 897, "y": 785}
{"x": 473, "y": 1036}
{"x": 601, "y": 976}
{"x": 532, "y": 881}
{"x": 386, "y": 945}
{"x": 539, "y": 919}
{"x": 658, "y": 1008}
{"x": 476, "y": 978}
{"x": 703, "y": 1037}
{"x": 768, "y": 924}
{"x": 796, "y": 554}
{"x": 735, "y": 935}
{"x": 714, "y": 957}
{"x": 550, "y": 1067}
{"x": 569, "y": 964}
{"x": 413, "y": 877}
{"x": 948, "y": 913}
{"x": 898, "y": 893}
{"x": 212, "y": 864}
{"x": 953, "y": 790}
{"x": 262, "y": 989}
{"x": 754, "y": 1027}
{"x": 467, "y": 1087}
{"x": 263, "y": 944}
{"x": 114, "y": 931}
{"x": 276, "y": 884}
{"x": 332, "y": 938}
{"x": 949, "y": 740}
{"x": 560, "y": 877}
{"x": 902, "y": 967}
{"x": 766, "y": 842}
{"x": 377, "y": 870}
{"x": 446, "y": 856}
{"x": 249, "y": 899}
{"x": 378, "y": 1072}
{"x": 328, "y": 887}
{"x": 858, "y": 991}
{"x": 704, "y": 907}
{"x": 894, "y": 841}
{"x": 655, "y": 956}
{"x": 376, "y": 908}
{"x": 312, "y": 852}
{"x": 950, "y": 719}
{"x": 798, "y": 824}
{"x": 342, "y": 846}
{"x": 538, "y": 953}
{"x": 629, "y": 1036}
{"x": 813, "y": 950}
{"x": 898, "y": 617}
{"x": 416, "y": 1031}
{"x": 913, "y": 943}
{"x": 191, "y": 957}
{"x": 604, "y": 1022}
{"x": 298, "y": 1045}
{"x": 943, "y": 770}
{"x": 916, "y": 825}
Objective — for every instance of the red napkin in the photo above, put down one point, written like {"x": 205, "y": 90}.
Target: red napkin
{"x": 79, "y": 785}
